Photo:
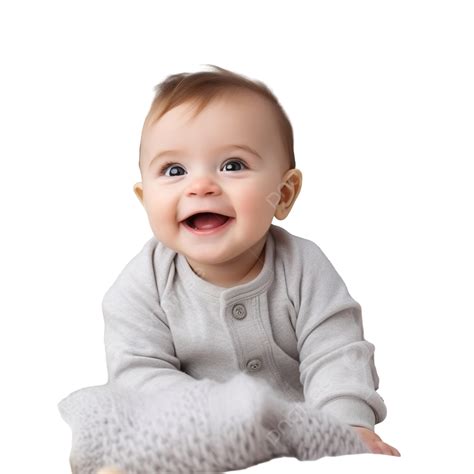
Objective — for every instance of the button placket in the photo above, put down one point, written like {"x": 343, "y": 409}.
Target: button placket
{"x": 239, "y": 312}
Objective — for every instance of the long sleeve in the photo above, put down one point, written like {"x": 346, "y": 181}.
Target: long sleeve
{"x": 138, "y": 344}
{"x": 336, "y": 362}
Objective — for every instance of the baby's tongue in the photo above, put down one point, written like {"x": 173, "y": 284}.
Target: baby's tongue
{"x": 208, "y": 220}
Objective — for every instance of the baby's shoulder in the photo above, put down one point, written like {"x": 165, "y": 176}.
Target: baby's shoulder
{"x": 293, "y": 249}
{"x": 149, "y": 267}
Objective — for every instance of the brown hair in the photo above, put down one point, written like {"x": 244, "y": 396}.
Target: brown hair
{"x": 202, "y": 87}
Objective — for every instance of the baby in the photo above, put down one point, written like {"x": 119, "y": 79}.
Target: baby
{"x": 219, "y": 289}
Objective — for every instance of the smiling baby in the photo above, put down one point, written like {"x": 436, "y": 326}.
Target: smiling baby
{"x": 219, "y": 289}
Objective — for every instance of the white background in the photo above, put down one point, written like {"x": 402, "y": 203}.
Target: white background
{"x": 380, "y": 95}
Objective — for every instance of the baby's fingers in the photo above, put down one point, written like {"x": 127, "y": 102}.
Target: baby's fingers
{"x": 395, "y": 451}
{"x": 379, "y": 447}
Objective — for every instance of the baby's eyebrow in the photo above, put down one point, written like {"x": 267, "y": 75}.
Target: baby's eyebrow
{"x": 222, "y": 148}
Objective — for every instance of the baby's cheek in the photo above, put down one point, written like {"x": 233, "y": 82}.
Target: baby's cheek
{"x": 257, "y": 203}
{"x": 162, "y": 220}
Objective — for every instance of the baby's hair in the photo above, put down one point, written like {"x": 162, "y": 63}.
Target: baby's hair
{"x": 199, "y": 88}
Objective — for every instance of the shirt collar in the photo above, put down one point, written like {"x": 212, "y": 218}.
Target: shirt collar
{"x": 259, "y": 284}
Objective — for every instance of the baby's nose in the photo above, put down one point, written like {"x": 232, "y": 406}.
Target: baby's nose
{"x": 203, "y": 186}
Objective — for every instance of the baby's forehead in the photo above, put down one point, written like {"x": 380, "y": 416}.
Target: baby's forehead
{"x": 243, "y": 118}
{"x": 229, "y": 118}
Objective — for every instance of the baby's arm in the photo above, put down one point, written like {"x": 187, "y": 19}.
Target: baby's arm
{"x": 336, "y": 362}
{"x": 138, "y": 342}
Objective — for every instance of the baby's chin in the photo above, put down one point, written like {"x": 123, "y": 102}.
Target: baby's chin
{"x": 211, "y": 257}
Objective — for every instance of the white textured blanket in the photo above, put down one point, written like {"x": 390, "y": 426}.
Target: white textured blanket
{"x": 205, "y": 426}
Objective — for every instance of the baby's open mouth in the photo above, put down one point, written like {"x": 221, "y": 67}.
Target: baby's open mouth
{"x": 206, "y": 220}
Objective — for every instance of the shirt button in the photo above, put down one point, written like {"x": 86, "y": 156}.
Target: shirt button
{"x": 254, "y": 365}
{"x": 239, "y": 311}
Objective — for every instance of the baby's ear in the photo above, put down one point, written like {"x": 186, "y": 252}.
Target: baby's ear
{"x": 138, "y": 190}
{"x": 290, "y": 187}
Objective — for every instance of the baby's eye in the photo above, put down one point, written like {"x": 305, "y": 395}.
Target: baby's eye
{"x": 229, "y": 165}
{"x": 173, "y": 169}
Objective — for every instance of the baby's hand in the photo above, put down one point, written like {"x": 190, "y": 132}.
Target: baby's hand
{"x": 374, "y": 443}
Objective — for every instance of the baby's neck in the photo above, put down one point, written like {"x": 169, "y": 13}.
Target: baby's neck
{"x": 240, "y": 270}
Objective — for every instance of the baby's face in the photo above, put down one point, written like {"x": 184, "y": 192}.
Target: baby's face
{"x": 207, "y": 172}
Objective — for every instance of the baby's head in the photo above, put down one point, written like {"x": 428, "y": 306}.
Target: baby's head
{"x": 217, "y": 164}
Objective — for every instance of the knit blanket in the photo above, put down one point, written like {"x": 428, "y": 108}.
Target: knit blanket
{"x": 204, "y": 426}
